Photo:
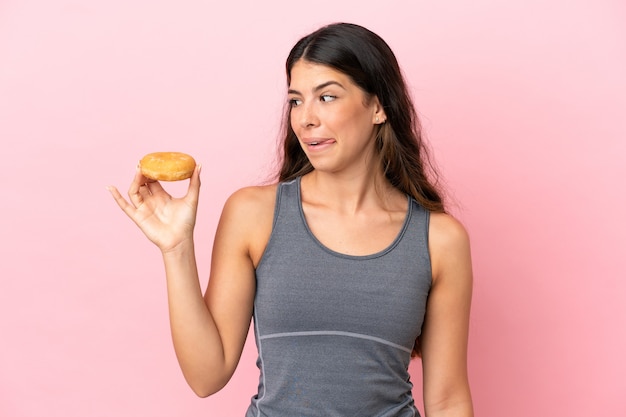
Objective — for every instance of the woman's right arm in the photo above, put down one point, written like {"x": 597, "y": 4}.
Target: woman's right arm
{"x": 208, "y": 331}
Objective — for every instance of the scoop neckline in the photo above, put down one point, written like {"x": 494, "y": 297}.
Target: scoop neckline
{"x": 378, "y": 254}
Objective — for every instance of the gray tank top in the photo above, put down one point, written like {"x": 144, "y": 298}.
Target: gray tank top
{"x": 334, "y": 332}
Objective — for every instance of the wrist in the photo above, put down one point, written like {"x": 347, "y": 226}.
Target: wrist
{"x": 183, "y": 247}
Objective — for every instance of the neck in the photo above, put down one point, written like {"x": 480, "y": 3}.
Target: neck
{"x": 348, "y": 193}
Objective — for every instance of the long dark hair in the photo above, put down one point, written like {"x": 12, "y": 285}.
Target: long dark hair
{"x": 371, "y": 64}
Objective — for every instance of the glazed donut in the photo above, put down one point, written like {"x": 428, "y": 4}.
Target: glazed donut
{"x": 167, "y": 166}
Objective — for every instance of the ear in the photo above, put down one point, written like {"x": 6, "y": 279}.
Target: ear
{"x": 379, "y": 116}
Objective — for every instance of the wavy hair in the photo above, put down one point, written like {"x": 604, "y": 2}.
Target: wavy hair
{"x": 371, "y": 64}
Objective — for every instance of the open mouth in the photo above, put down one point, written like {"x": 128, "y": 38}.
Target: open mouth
{"x": 316, "y": 143}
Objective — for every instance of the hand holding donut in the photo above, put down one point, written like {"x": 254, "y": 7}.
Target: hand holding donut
{"x": 165, "y": 220}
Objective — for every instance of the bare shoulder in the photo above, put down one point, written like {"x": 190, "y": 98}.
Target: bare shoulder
{"x": 449, "y": 244}
{"x": 255, "y": 198}
{"x": 249, "y": 212}
{"x": 446, "y": 231}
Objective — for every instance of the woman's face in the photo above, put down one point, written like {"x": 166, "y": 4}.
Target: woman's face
{"x": 333, "y": 118}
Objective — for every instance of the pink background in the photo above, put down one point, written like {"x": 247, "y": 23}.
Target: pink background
{"x": 523, "y": 101}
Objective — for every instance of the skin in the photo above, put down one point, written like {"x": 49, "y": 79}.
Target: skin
{"x": 350, "y": 208}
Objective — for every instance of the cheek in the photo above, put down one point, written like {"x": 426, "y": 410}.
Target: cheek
{"x": 340, "y": 119}
{"x": 356, "y": 123}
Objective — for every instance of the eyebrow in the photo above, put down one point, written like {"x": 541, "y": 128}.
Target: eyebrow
{"x": 319, "y": 87}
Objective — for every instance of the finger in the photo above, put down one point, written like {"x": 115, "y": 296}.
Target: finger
{"x": 138, "y": 189}
{"x": 193, "y": 192}
{"x": 121, "y": 201}
{"x": 155, "y": 188}
{"x": 140, "y": 178}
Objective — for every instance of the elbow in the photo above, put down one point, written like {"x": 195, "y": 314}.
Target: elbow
{"x": 204, "y": 389}
{"x": 455, "y": 406}
{"x": 451, "y": 399}
{"x": 200, "y": 391}
{"x": 203, "y": 392}
{"x": 206, "y": 379}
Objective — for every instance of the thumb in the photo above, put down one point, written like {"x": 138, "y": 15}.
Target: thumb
{"x": 193, "y": 192}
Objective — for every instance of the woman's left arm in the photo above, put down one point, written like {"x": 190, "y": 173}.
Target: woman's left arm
{"x": 446, "y": 325}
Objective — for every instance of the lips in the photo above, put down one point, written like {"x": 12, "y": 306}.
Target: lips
{"x": 315, "y": 143}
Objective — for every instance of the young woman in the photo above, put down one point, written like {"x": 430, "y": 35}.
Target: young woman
{"x": 349, "y": 264}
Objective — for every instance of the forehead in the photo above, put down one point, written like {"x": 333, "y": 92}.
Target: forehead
{"x": 309, "y": 74}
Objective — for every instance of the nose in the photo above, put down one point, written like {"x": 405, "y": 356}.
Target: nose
{"x": 307, "y": 115}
